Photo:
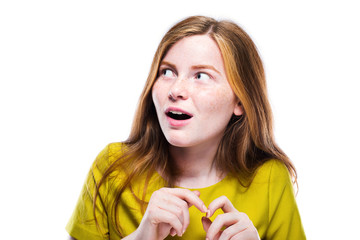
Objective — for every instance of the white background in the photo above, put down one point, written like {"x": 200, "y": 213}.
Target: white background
{"x": 71, "y": 73}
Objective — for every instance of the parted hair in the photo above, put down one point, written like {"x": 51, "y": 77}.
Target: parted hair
{"x": 248, "y": 140}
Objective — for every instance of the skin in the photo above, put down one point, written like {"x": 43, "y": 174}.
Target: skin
{"x": 193, "y": 72}
{"x": 192, "y": 79}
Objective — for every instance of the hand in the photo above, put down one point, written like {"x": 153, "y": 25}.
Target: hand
{"x": 168, "y": 213}
{"x": 237, "y": 225}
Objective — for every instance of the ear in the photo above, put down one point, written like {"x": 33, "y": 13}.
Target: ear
{"x": 238, "y": 110}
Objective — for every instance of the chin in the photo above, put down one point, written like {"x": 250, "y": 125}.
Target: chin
{"x": 178, "y": 142}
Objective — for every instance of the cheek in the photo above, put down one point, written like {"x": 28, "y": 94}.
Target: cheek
{"x": 223, "y": 100}
{"x": 157, "y": 93}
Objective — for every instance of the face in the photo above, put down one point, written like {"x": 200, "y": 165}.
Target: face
{"x": 193, "y": 99}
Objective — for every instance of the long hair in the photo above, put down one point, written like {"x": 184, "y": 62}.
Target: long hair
{"x": 248, "y": 140}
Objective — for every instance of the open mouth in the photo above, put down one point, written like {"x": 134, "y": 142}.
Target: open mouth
{"x": 178, "y": 115}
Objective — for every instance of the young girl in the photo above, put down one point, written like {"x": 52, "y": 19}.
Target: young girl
{"x": 201, "y": 161}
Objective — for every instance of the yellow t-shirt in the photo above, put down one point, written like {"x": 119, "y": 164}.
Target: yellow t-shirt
{"x": 269, "y": 202}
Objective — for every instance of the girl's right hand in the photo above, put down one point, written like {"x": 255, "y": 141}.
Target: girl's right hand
{"x": 168, "y": 213}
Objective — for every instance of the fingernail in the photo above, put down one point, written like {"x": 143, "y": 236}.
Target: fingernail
{"x": 208, "y": 213}
{"x": 204, "y": 208}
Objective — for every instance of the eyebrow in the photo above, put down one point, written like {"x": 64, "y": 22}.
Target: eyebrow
{"x": 205, "y": 67}
{"x": 193, "y": 67}
{"x": 167, "y": 63}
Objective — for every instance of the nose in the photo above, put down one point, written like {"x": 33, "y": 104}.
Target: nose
{"x": 179, "y": 89}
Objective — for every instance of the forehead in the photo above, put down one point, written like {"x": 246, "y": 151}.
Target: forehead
{"x": 198, "y": 49}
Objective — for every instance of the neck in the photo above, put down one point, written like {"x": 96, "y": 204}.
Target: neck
{"x": 196, "y": 166}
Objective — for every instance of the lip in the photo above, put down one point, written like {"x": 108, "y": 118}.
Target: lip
{"x": 174, "y": 109}
{"x": 177, "y": 123}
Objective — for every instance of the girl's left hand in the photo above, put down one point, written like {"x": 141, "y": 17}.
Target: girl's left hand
{"x": 237, "y": 225}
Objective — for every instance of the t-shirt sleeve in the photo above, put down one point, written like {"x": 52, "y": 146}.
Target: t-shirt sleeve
{"x": 284, "y": 217}
{"x": 82, "y": 222}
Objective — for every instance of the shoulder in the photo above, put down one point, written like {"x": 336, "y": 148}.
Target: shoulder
{"x": 110, "y": 153}
{"x": 272, "y": 171}
{"x": 278, "y": 182}
{"x": 107, "y": 156}
{"x": 112, "y": 150}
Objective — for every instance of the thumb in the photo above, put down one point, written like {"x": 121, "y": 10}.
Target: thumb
{"x": 206, "y": 223}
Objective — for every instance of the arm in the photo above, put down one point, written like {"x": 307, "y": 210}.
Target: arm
{"x": 284, "y": 217}
{"x": 82, "y": 224}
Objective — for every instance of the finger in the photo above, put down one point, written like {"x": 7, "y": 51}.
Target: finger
{"x": 176, "y": 206}
{"x": 247, "y": 234}
{"x": 172, "y": 203}
{"x": 190, "y": 197}
{"x": 175, "y": 210}
{"x": 197, "y": 193}
{"x": 232, "y": 230}
{"x": 222, "y": 220}
{"x": 220, "y": 202}
{"x": 187, "y": 195}
{"x": 172, "y": 232}
{"x": 162, "y": 216}
{"x": 206, "y": 223}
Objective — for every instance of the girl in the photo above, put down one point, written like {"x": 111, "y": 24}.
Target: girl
{"x": 201, "y": 160}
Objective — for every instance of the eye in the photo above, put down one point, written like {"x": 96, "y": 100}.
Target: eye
{"x": 202, "y": 76}
{"x": 167, "y": 73}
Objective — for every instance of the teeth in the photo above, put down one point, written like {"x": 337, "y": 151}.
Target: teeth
{"x": 178, "y": 115}
{"x": 175, "y": 112}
